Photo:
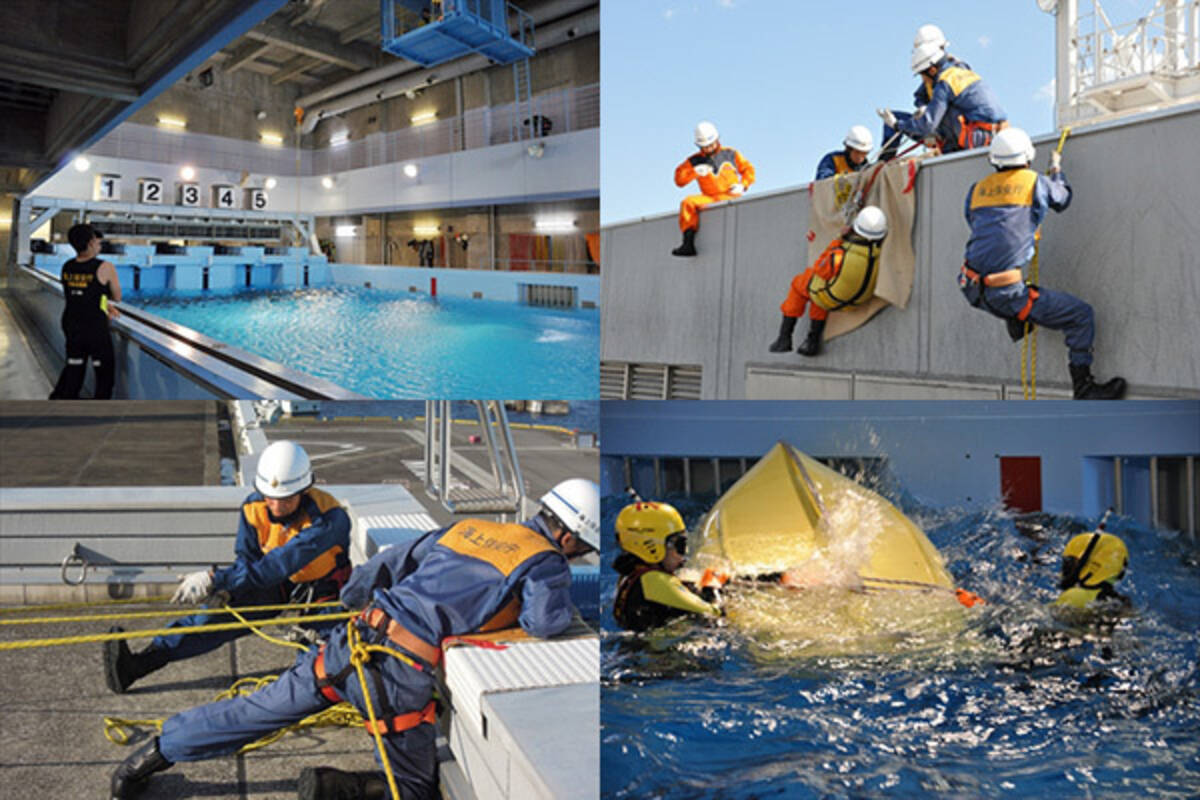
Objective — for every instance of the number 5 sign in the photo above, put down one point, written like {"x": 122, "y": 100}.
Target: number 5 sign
{"x": 256, "y": 199}
{"x": 223, "y": 196}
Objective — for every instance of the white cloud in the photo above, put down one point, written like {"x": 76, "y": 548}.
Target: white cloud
{"x": 1045, "y": 93}
{"x": 985, "y": 41}
{"x": 725, "y": 3}
{"x": 670, "y": 12}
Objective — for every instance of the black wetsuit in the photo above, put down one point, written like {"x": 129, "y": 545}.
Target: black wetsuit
{"x": 85, "y": 325}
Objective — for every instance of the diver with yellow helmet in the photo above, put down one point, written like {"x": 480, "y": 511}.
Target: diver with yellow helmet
{"x": 1092, "y": 564}
{"x": 653, "y": 539}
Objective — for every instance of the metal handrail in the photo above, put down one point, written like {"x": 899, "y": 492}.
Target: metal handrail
{"x": 503, "y": 461}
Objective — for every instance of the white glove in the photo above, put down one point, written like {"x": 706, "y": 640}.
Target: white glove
{"x": 737, "y": 189}
{"x": 1055, "y": 161}
{"x": 193, "y": 588}
{"x": 703, "y": 170}
{"x": 887, "y": 116}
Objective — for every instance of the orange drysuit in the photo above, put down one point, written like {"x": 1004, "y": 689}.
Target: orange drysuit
{"x": 728, "y": 169}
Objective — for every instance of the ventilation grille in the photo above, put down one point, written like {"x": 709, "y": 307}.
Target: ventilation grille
{"x": 548, "y": 296}
{"x": 620, "y": 380}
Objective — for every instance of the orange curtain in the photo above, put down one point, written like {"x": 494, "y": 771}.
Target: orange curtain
{"x": 593, "y": 247}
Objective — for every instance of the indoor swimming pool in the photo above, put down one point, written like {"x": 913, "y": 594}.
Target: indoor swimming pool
{"x": 1018, "y": 703}
{"x": 395, "y": 344}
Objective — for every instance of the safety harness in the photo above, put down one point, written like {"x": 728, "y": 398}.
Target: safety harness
{"x": 967, "y": 129}
{"x": 996, "y": 279}
{"x": 388, "y": 720}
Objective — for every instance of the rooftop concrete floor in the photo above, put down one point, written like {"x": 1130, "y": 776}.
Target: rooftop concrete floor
{"x": 56, "y": 700}
{"x": 110, "y": 443}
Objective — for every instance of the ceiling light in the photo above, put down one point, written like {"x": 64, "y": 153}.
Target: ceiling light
{"x": 344, "y": 231}
{"x": 270, "y": 183}
{"x": 270, "y": 138}
{"x": 260, "y": 115}
{"x": 327, "y": 182}
{"x": 423, "y": 117}
{"x": 425, "y": 229}
{"x": 172, "y": 122}
{"x": 187, "y": 173}
{"x": 411, "y": 170}
{"x": 338, "y": 139}
{"x": 554, "y": 225}
{"x": 81, "y": 164}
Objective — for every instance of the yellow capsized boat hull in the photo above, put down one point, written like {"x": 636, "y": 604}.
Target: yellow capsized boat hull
{"x": 854, "y": 568}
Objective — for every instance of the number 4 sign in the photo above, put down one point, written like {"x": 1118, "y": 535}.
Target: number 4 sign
{"x": 223, "y": 196}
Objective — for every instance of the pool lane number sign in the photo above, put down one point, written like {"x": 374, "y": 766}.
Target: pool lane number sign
{"x": 107, "y": 187}
{"x": 224, "y": 196}
{"x": 150, "y": 190}
{"x": 189, "y": 194}
{"x": 256, "y": 199}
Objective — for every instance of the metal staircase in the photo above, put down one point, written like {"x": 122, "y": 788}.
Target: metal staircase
{"x": 506, "y": 494}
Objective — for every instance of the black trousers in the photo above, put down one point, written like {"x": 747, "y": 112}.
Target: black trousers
{"x": 94, "y": 345}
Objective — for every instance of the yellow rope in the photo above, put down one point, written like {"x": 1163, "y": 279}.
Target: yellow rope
{"x": 268, "y": 637}
{"x": 138, "y": 601}
{"x": 360, "y": 654}
{"x": 118, "y": 730}
{"x": 1029, "y": 344}
{"x": 24, "y": 644}
{"x": 178, "y": 611}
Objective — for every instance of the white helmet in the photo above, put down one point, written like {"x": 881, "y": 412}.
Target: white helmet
{"x": 576, "y": 503}
{"x": 706, "y": 134}
{"x": 283, "y": 470}
{"x": 925, "y": 55}
{"x": 1011, "y": 148}
{"x": 859, "y": 138}
{"x": 871, "y": 223}
{"x": 930, "y": 33}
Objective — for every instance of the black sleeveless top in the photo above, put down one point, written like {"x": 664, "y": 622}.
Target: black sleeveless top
{"x": 83, "y": 292}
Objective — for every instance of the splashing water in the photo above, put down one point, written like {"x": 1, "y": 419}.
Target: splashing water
{"x": 1012, "y": 702}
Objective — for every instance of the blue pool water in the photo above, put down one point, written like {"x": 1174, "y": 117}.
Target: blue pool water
{"x": 582, "y": 415}
{"x": 1034, "y": 707}
{"x": 393, "y": 344}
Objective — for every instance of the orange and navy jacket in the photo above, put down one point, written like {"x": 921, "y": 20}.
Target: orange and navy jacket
{"x": 473, "y": 576}
{"x": 837, "y": 163}
{"x": 946, "y": 129}
{"x": 957, "y": 91}
{"x": 306, "y": 546}
{"x": 728, "y": 168}
{"x": 1004, "y": 211}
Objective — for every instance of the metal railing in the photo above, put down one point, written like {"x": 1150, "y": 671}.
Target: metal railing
{"x": 506, "y": 494}
{"x": 565, "y": 110}
{"x": 1165, "y": 41}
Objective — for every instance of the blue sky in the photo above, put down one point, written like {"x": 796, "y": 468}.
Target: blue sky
{"x": 783, "y": 80}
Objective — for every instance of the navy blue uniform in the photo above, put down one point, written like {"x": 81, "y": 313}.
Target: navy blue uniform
{"x": 837, "y": 163}
{"x": 273, "y": 557}
{"x": 1004, "y": 211}
{"x": 472, "y": 576}
{"x": 959, "y": 109}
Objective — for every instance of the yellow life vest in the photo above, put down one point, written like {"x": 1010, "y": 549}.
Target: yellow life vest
{"x": 845, "y": 275}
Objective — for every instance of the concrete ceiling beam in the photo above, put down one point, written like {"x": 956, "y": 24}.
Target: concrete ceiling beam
{"x": 359, "y": 30}
{"x": 246, "y": 53}
{"x": 294, "y": 68}
{"x": 314, "y": 42}
{"x": 76, "y": 74}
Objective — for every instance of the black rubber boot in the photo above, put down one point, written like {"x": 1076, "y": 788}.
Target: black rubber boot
{"x": 784, "y": 342}
{"x": 327, "y": 783}
{"x": 812, "y": 343}
{"x": 129, "y": 778}
{"x": 1086, "y": 388}
{"x": 688, "y": 248}
{"x": 122, "y": 668}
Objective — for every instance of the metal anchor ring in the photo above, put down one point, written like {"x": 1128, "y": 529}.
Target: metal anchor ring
{"x": 73, "y": 559}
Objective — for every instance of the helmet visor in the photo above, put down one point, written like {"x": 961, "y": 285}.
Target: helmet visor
{"x": 678, "y": 543}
